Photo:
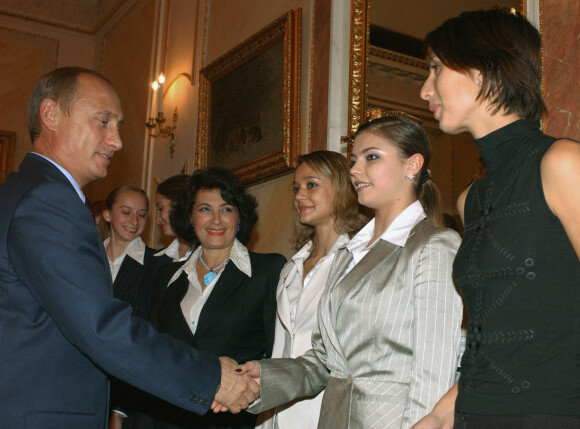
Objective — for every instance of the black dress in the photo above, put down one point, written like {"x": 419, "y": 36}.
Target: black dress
{"x": 520, "y": 279}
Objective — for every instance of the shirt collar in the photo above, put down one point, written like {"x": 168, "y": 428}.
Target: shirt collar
{"x": 135, "y": 249}
{"x": 239, "y": 255}
{"x": 304, "y": 252}
{"x": 67, "y": 175}
{"x": 172, "y": 251}
{"x": 397, "y": 232}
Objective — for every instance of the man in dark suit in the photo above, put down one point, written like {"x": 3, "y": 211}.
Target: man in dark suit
{"x": 61, "y": 330}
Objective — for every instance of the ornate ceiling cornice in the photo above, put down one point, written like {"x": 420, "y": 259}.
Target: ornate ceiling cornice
{"x": 80, "y": 17}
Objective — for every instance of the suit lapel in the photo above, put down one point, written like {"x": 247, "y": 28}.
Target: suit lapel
{"x": 338, "y": 291}
{"x": 171, "y": 311}
{"x": 30, "y": 165}
{"x": 125, "y": 275}
{"x": 381, "y": 252}
{"x": 226, "y": 285}
{"x": 282, "y": 300}
{"x": 309, "y": 296}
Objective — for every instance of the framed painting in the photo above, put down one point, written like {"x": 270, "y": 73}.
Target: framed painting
{"x": 7, "y": 144}
{"x": 249, "y": 104}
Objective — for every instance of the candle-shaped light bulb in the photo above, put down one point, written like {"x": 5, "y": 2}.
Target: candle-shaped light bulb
{"x": 161, "y": 80}
{"x": 155, "y": 85}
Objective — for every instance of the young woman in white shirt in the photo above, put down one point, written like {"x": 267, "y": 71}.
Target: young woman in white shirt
{"x": 133, "y": 269}
{"x": 130, "y": 260}
{"x": 387, "y": 338}
{"x": 328, "y": 214}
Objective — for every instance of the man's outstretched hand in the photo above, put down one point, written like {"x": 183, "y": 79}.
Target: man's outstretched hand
{"x": 236, "y": 390}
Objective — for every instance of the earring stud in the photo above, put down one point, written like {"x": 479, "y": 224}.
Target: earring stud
{"x": 410, "y": 176}
{"x": 478, "y": 82}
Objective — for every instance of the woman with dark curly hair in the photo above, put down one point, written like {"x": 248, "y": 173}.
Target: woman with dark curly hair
{"x": 222, "y": 300}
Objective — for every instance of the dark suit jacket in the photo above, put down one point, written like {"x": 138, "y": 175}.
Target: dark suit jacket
{"x": 135, "y": 282}
{"x": 237, "y": 320}
{"x": 61, "y": 329}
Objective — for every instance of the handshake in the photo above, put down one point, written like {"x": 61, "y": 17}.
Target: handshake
{"x": 239, "y": 386}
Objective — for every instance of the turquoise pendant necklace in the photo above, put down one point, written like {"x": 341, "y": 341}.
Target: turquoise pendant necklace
{"x": 212, "y": 271}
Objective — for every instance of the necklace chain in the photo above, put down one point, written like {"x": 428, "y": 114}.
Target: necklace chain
{"x": 207, "y": 279}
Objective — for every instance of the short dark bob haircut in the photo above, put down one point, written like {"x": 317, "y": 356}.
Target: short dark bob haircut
{"x": 172, "y": 187}
{"x": 505, "y": 47}
{"x": 231, "y": 190}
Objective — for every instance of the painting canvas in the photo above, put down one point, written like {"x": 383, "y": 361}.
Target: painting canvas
{"x": 249, "y": 104}
{"x": 246, "y": 111}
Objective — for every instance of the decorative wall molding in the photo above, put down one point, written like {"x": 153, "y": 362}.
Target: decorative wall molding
{"x": 81, "y": 17}
{"x": 50, "y": 45}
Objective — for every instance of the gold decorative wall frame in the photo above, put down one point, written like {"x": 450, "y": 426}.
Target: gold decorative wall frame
{"x": 359, "y": 34}
{"x": 359, "y": 56}
{"x": 249, "y": 104}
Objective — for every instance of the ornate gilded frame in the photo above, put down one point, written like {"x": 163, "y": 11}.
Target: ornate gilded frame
{"x": 359, "y": 58}
{"x": 285, "y": 30}
{"x": 359, "y": 37}
{"x": 7, "y": 145}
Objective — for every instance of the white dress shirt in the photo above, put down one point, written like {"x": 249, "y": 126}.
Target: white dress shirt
{"x": 296, "y": 286}
{"x": 297, "y": 302}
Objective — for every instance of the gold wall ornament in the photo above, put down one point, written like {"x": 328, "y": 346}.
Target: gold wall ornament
{"x": 359, "y": 34}
{"x": 382, "y": 112}
{"x": 239, "y": 138}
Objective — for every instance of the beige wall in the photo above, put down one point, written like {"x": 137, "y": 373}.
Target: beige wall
{"x": 27, "y": 51}
{"x": 196, "y": 37}
{"x": 131, "y": 41}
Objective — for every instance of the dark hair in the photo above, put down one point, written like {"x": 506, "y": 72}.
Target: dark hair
{"x": 60, "y": 85}
{"x": 409, "y": 138}
{"x": 172, "y": 187}
{"x": 505, "y": 47}
{"x": 344, "y": 206}
{"x": 231, "y": 190}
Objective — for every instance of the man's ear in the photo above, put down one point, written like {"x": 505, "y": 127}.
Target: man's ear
{"x": 49, "y": 113}
{"x": 415, "y": 163}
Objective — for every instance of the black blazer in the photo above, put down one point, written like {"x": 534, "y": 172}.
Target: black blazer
{"x": 237, "y": 321}
{"x": 135, "y": 282}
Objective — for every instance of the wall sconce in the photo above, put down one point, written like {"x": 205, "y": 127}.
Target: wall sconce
{"x": 155, "y": 125}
